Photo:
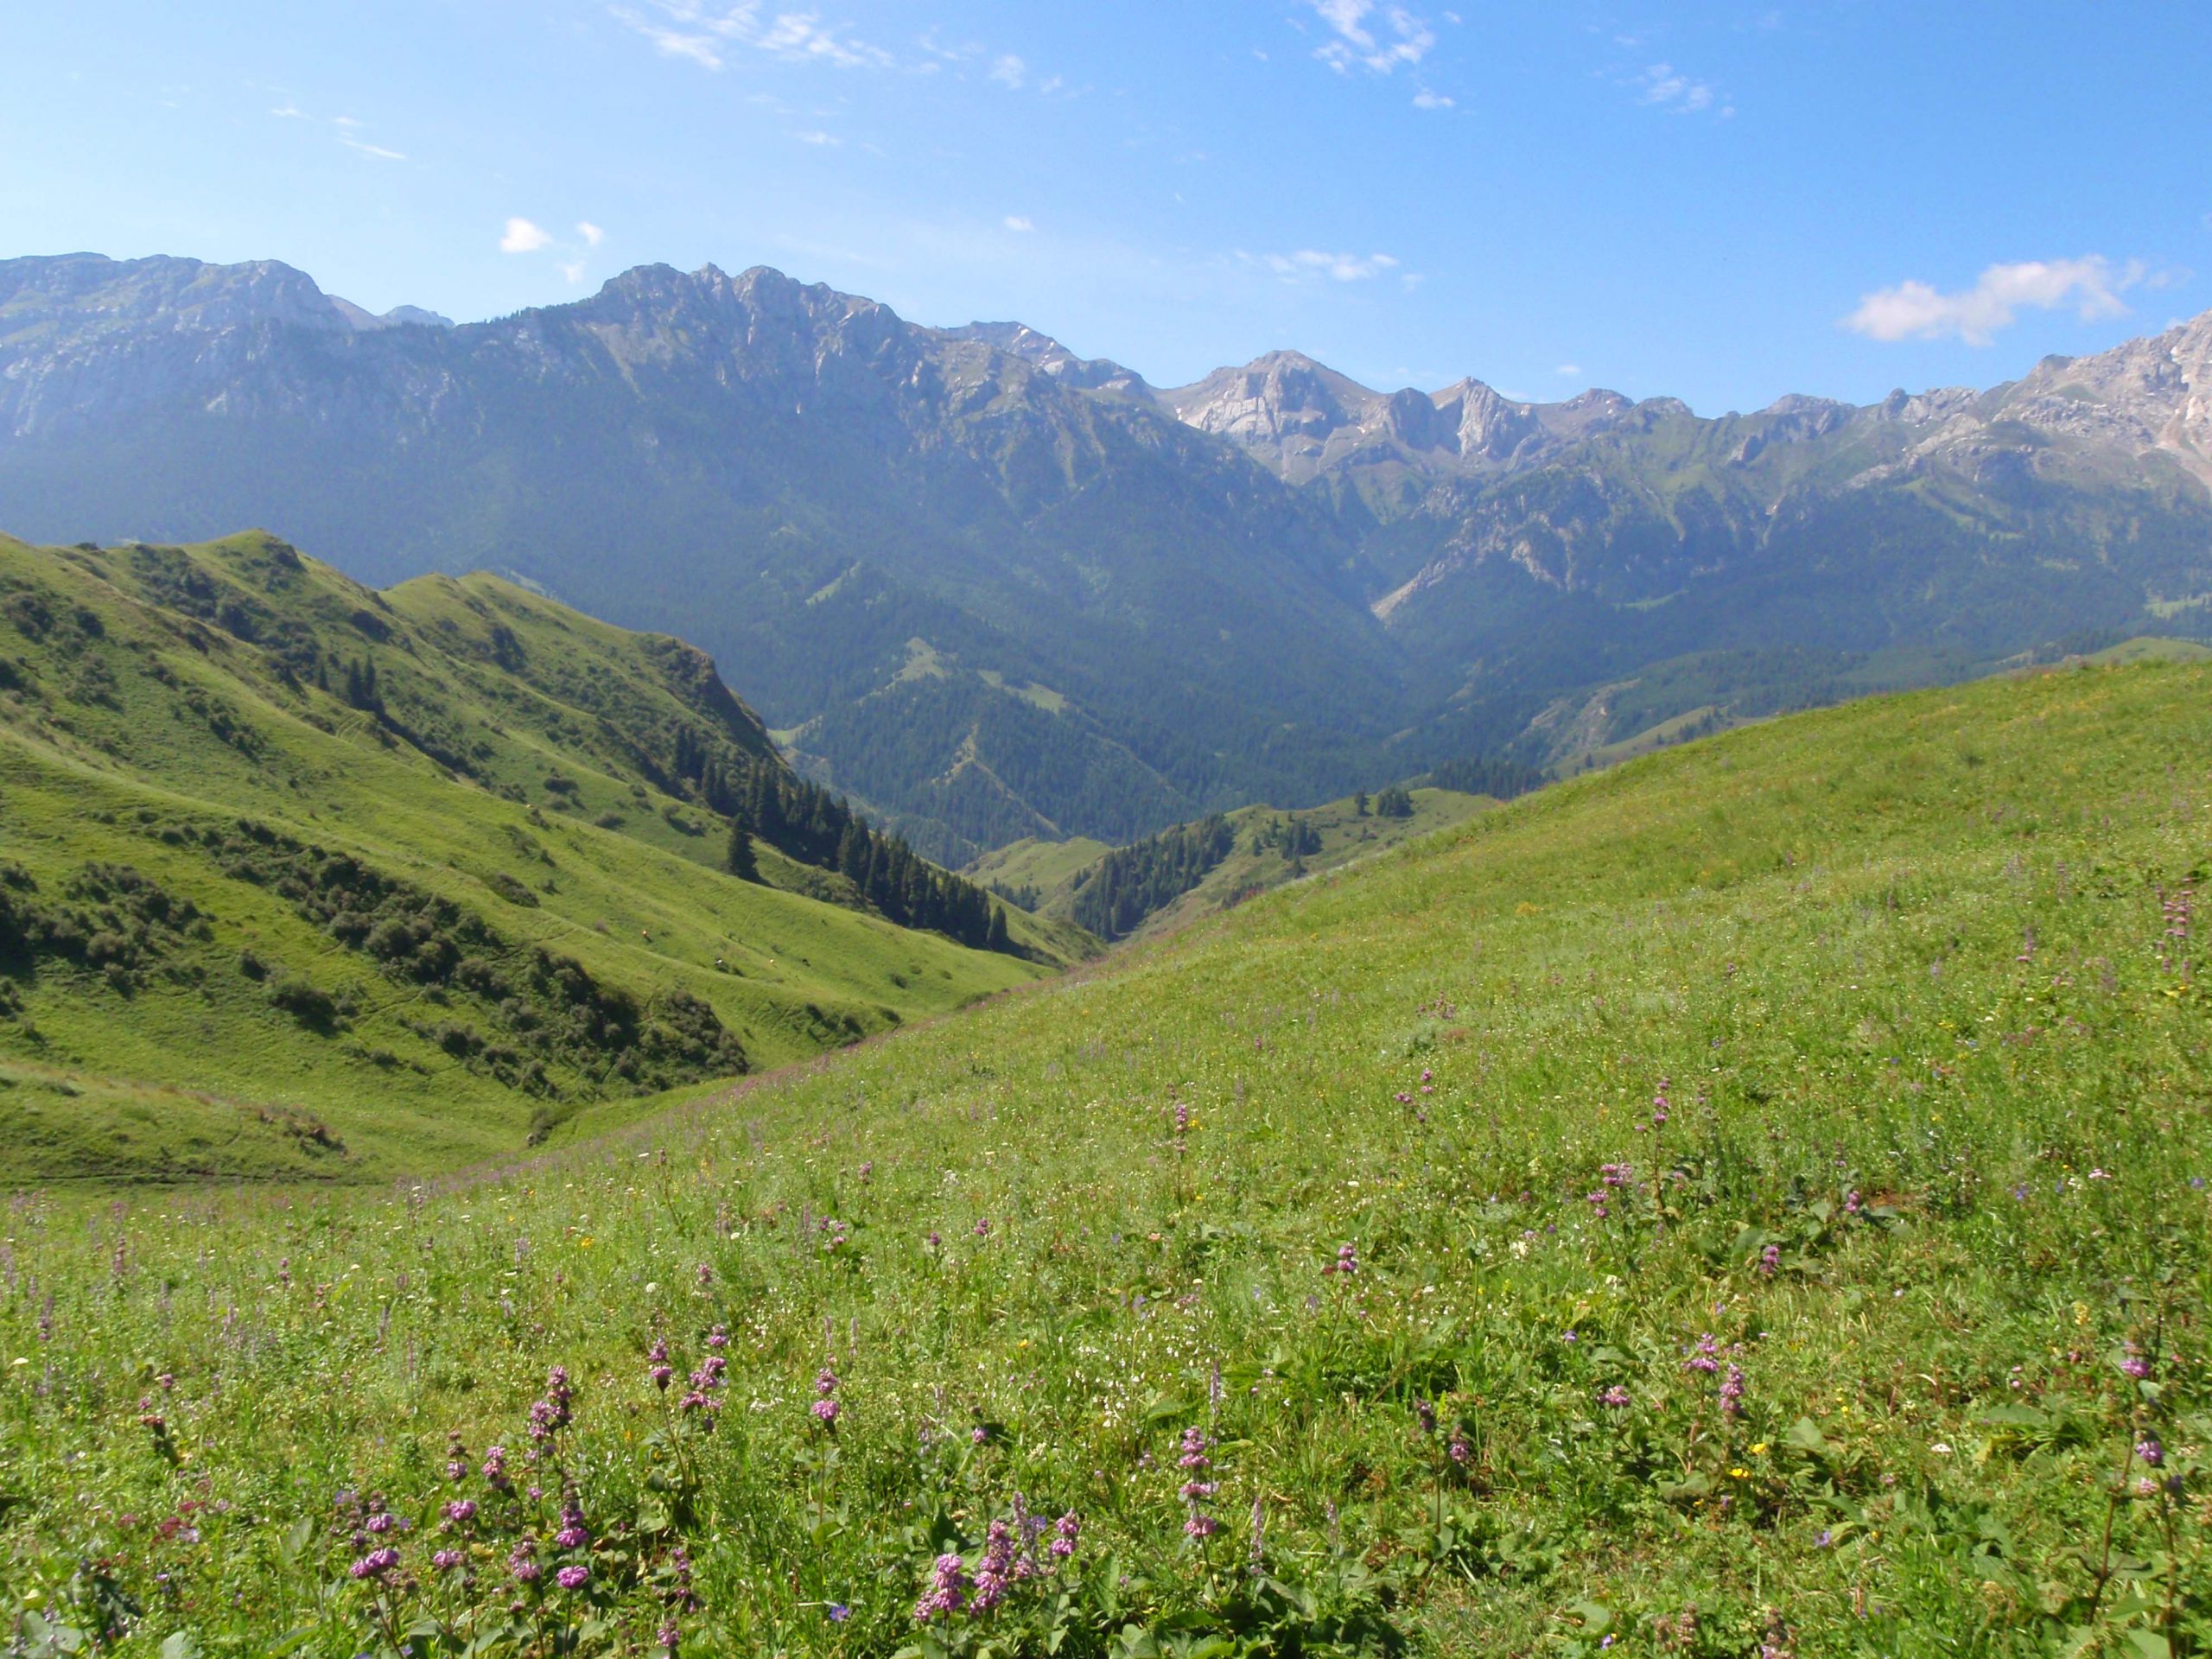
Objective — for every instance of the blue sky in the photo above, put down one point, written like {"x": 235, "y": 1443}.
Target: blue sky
{"x": 1716, "y": 200}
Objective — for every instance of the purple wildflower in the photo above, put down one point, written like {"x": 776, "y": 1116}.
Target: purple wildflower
{"x": 1770, "y": 1260}
{"x": 1615, "y": 1398}
{"x": 948, "y": 1590}
{"x": 522, "y": 1562}
{"x": 377, "y": 1563}
{"x": 1706, "y": 1356}
{"x": 1065, "y": 1533}
{"x": 573, "y": 1578}
{"x": 1732, "y": 1392}
{"x": 460, "y": 1511}
{"x": 993, "y": 1571}
{"x": 446, "y": 1559}
{"x": 2150, "y": 1451}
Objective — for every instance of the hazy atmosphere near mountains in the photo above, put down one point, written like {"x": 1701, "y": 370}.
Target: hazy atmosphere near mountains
{"x": 1277, "y": 830}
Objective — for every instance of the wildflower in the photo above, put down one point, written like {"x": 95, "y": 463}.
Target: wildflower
{"x": 837, "y": 1610}
{"x": 1458, "y": 1449}
{"x": 382, "y": 1523}
{"x": 1770, "y": 1260}
{"x": 456, "y": 1456}
{"x": 718, "y": 1339}
{"x": 2136, "y": 1366}
{"x": 1424, "y": 1411}
{"x": 521, "y": 1563}
{"x": 826, "y": 1408}
{"x": 992, "y": 1571}
{"x": 1732, "y": 1392}
{"x": 1065, "y": 1530}
{"x": 1616, "y": 1398}
{"x": 460, "y": 1511}
{"x": 1197, "y": 1489}
{"x": 934, "y": 1241}
{"x": 978, "y": 1435}
{"x": 982, "y": 1226}
{"x": 376, "y": 1564}
{"x": 667, "y": 1636}
{"x": 446, "y": 1559}
{"x": 1706, "y": 1356}
{"x": 948, "y": 1590}
{"x": 1347, "y": 1260}
{"x": 573, "y": 1534}
{"x": 2151, "y": 1452}
{"x": 573, "y": 1578}
{"x": 705, "y": 1275}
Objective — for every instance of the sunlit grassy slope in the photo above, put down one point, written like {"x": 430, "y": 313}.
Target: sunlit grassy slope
{"x": 176, "y": 715}
{"x": 1767, "y": 1180}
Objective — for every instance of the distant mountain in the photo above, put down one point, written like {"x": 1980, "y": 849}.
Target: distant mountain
{"x": 996, "y": 589}
{"x": 384, "y": 881}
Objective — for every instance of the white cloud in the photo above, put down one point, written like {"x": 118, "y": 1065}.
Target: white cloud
{"x": 377, "y": 150}
{"x": 1016, "y": 222}
{"x": 1914, "y": 310}
{"x": 1309, "y": 264}
{"x": 591, "y": 234}
{"x": 1009, "y": 71}
{"x": 686, "y": 28}
{"x": 1369, "y": 36}
{"x": 1663, "y": 87}
{"x": 1572, "y": 370}
{"x": 818, "y": 139}
{"x": 290, "y": 112}
{"x": 1424, "y": 99}
{"x": 523, "y": 236}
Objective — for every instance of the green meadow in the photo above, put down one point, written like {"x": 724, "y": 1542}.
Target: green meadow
{"x": 1751, "y": 1201}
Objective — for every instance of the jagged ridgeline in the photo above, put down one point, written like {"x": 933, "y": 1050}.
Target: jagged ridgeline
{"x": 380, "y": 881}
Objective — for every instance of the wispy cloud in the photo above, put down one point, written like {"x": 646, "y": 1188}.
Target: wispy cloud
{"x": 591, "y": 234}
{"x": 1009, "y": 71}
{"x": 1310, "y": 264}
{"x": 1572, "y": 370}
{"x": 1016, "y": 222}
{"x": 819, "y": 139}
{"x": 706, "y": 35}
{"x": 347, "y": 126}
{"x": 1663, "y": 87}
{"x": 523, "y": 236}
{"x": 1424, "y": 99}
{"x": 1914, "y": 310}
{"x": 1368, "y": 35}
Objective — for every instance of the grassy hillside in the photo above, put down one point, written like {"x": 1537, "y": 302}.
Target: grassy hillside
{"x": 387, "y": 925}
{"x": 1750, "y": 1201}
{"x": 1259, "y": 848}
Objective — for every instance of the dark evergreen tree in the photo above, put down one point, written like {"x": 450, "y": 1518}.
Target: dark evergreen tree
{"x": 741, "y": 858}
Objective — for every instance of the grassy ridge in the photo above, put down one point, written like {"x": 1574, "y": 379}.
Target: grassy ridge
{"x": 504, "y": 786}
{"x": 1845, "y": 1349}
{"x": 1056, "y": 870}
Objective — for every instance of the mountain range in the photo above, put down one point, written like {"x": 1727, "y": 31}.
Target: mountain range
{"x": 994, "y": 590}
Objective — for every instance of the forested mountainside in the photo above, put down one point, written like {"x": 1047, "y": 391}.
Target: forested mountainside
{"x": 376, "y": 881}
{"x": 998, "y": 591}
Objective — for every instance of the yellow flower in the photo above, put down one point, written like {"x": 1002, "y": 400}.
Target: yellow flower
{"x": 1759, "y": 1451}
{"x": 1740, "y": 1474}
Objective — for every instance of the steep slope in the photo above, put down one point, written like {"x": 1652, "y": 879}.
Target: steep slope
{"x": 1751, "y": 1198}
{"x": 391, "y": 882}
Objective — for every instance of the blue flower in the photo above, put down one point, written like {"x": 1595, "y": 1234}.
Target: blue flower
{"x": 839, "y": 1612}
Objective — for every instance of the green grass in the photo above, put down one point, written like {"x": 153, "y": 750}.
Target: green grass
{"x": 2145, "y": 648}
{"x": 1915, "y": 978}
{"x": 133, "y": 733}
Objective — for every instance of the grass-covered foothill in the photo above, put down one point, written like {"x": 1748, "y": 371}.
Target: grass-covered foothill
{"x": 1193, "y": 869}
{"x": 1748, "y": 1202}
{"x": 300, "y": 879}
